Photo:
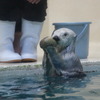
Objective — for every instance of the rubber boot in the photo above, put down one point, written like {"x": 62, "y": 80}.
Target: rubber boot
{"x": 30, "y": 36}
{"x": 7, "y": 54}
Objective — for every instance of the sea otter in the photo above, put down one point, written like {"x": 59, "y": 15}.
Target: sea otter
{"x": 59, "y": 54}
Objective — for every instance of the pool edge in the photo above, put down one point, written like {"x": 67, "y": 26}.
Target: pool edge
{"x": 85, "y": 62}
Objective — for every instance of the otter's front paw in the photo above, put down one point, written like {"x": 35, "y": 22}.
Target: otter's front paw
{"x": 47, "y": 41}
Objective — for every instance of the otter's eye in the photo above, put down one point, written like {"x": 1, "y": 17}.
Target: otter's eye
{"x": 65, "y": 34}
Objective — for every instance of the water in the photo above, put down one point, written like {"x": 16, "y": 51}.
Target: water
{"x": 30, "y": 84}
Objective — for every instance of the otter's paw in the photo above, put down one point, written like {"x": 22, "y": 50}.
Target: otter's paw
{"x": 47, "y": 41}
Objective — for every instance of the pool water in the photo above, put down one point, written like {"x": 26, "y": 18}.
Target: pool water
{"x": 30, "y": 84}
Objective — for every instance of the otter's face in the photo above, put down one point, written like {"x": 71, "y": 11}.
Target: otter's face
{"x": 63, "y": 37}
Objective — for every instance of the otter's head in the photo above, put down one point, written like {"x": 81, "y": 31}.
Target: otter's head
{"x": 64, "y": 37}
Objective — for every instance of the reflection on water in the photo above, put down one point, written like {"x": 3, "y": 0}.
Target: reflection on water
{"x": 27, "y": 85}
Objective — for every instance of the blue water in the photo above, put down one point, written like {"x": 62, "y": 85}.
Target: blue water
{"x": 28, "y": 85}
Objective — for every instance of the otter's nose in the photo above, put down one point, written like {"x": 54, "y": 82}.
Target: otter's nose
{"x": 56, "y": 38}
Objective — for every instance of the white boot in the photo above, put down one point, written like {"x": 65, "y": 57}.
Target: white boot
{"x": 7, "y": 54}
{"x": 30, "y": 36}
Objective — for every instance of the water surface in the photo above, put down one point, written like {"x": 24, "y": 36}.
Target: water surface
{"x": 30, "y": 84}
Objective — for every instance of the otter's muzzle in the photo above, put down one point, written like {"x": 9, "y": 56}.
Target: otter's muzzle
{"x": 56, "y": 38}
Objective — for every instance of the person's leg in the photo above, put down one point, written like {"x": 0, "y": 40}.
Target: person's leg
{"x": 9, "y": 10}
{"x": 7, "y": 30}
{"x": 7, "y": 53}
{"x": 30, "y": 36}
{"x": 33, "y": 17}
{"x": 34, "y": 12}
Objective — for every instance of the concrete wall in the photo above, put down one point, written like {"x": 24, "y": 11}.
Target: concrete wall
{"x": 75, "y": 11}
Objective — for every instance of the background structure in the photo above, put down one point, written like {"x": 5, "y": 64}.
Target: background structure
{"x": 75, "y": 11}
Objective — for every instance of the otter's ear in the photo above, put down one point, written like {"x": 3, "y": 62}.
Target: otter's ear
{"x": 71, "y": 47}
